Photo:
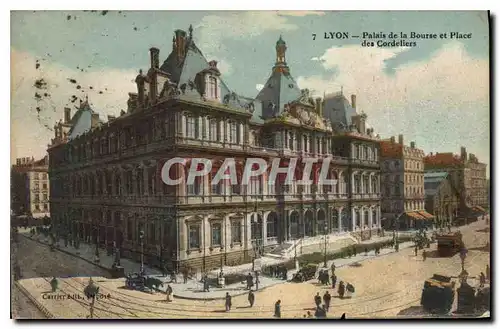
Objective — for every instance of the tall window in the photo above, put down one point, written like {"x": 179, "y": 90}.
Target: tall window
{"x": 196, "y": 188}
{"x": 216, "y": 189}
{"x": 216, "y": 234}
{"x": 191, "y": 127}
{"x": 290, "y": 140}
{"x": 194, "y": 236}
{"x": 233, "y": 132}
{"x": 357, "y": 185}
{"x": 213, "y": 130}
{"x": 305, "y": 146}
{"x": 236, "y": 231}
{"x": 255, "y": 186}
{"x": 212, "y": 87}
{"x": 366, "y": 184}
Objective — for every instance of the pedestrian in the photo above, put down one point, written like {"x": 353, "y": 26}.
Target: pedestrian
{"x": 482, "y": 280}
{"x": 251, "y": 298}
{"x": 54, "y": 283}
{"x": 334, "y": 280}
{"x": 366, "y": 251}
{"x": 320, "y": 312}
{"x": 228, "y": 302}
{"x": 169, "y": 293}
{"x": 326, "y": 299}
{"x": 416, "y": 251}
{"x": 206, "y": 285}
{"x": 317, "y": 299}
{"x": 309, "y": 314}
{"x": 332, "y": 267}
{"x": 185, "y": 274}
{"x": 249, "y": 281}
{"x": 271, "y": 271}
{"x": 424, "y": 255}
{"x": 354, "y": 251}
{"x": 277, "y": 309}
{"x": 341, "y": 289}
{"x": 173, "y": 277}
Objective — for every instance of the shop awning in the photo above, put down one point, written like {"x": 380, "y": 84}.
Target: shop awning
{"x": 426, "y": 214}
{"x": 415, "y": 215}
{"x": 479, "y": 208}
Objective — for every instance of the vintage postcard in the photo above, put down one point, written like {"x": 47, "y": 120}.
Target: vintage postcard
{"x": 250, "y": 164}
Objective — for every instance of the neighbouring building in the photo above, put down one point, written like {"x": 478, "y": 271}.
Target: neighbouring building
{"x": 441, "y": 198}
{"x": 107, "y": 188}
{"x": 467, "y": 175}
{"x": 30, "y": 188}
{"x": 402, "y": 184}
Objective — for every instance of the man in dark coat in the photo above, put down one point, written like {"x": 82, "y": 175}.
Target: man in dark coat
{"x": 277, "y": 309}
{"x": 334, "y": 280}
{"x": 317, "y": 299}
{"x": 251, "y": 298}
{"x": 326, "y": 299}
{"x": 320, "y": 312}
{"x": 249, "y": 281}
{"x": 341, "y": 289}
{"x": 228, "y": 302}
{"x": 185, "y": 273}
{"x": 169, "y": 293}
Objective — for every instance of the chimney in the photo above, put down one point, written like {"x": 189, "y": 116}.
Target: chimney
{"x": 319, "y": 105}
{"x": 463, "y": 153}
{"x": 180, "y": 43}
{"x": 412, "y": 145}
{"x": 400, "y": 139}
{"x": 431, "y": 154}
{"x": 155, "y": 57}
{"x": 67, "y": 115}
{"x": 353, "y": 101}
{"x": 393, "y": 139}
{"x": 111, "y": 118}
{"x": 140, "y": 90}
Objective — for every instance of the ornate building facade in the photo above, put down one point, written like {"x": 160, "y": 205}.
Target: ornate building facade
{"x": 402, "y": 184}
{"x": 441, "y": 198}
{"x": 106, "y": 176}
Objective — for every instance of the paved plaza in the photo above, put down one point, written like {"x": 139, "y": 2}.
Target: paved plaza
{"x": 388, "y": 285}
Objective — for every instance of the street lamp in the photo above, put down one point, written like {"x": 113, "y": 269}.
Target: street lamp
{"x": 326, "y": 239}
{"x": 141, "y": 238}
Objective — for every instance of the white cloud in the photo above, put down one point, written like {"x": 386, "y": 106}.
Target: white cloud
{"x": 259, "y": 86}
{"x": 214, "y": 28}
{"x": 442, "y": 103}
{"x": 29, "y": 134}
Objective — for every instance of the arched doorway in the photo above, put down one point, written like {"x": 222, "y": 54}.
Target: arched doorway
{"x": 335, "y": 220}
{"x": 294, "y": 225}
{"x": 321, "y": 222}
{"x": 272, "y": 225}
{"x": 309, "y": 223}
{"x": 256, "y": 227}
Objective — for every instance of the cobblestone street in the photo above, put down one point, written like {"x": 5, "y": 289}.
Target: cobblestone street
{"x": 387, "y": 286}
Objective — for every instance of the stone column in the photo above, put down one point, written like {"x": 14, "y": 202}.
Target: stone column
{"x": 339, "y": 219}
{"x": 264, "y": 230}
{"x": 247, "y": 236}
{"x": 354, "y": 219}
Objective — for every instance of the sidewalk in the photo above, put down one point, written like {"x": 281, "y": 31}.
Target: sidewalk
{"x": 87, "y": 253}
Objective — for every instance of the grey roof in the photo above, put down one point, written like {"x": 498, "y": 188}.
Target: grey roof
{"x": 432, "y": 181}
{"x": 280, "y": 89}
{"x": 182, "y": 70}
{"x": 338, "y": 109}
{"x": 81, "y": 121}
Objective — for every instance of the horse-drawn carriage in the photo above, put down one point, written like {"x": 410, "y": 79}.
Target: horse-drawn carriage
{"x": 449, "y": 243}
{"x": 306, "y": 273}
{"x": 143, "y": 283}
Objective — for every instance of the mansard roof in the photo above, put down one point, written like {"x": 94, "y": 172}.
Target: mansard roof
{"x": 279, "y": 90}
{"x": 182, "y": 70}
{"x": 83, "y": 121}
{"x": 338, "y": 109}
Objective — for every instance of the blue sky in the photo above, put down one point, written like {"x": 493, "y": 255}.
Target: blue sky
{"x": 436, "y": 93}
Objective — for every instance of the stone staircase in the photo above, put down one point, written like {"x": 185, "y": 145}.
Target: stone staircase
{"x": 310, "y": 245}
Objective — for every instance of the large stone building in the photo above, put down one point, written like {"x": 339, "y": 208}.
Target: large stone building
{"x": 30, "y": 187}
{"x": 441, "y": 197}
{"x": 402, "y": 185}
{"x": 467, "y": 175}
{"x": 106, "y": 184}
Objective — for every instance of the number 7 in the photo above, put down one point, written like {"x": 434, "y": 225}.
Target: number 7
{"x": 314, "y": 36}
